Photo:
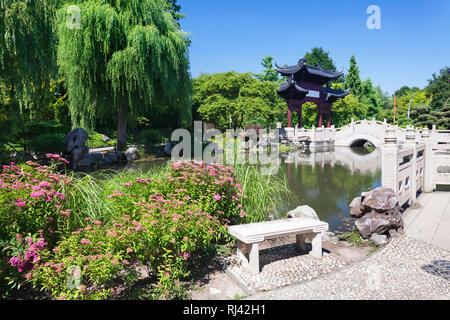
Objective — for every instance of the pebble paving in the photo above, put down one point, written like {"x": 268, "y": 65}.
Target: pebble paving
{"x": 405, "y": 269}
{"x": 282, "y": 266}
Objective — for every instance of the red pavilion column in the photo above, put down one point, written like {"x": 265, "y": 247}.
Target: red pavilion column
{"x": 320, "y": 118}
{"x": 328, "y": 118}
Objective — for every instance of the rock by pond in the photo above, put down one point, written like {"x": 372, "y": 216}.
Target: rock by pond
{"x": 377, "y": 211}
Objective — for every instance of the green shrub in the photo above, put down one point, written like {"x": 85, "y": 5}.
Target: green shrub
{"x": 150, "y": 137}
{"x": 166, "y": 221}
{"x": 95, "y": 140}
{"x": 47, "y": 143}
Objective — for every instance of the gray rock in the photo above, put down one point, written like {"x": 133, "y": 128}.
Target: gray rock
{"x": 132, "y": 154}
{"x": 105, "y": 138}
{"x": 394, "y": 233}
{"x": 380, "y": 199}
{"x": 355, "y": 207}
{"x": 113, "y": 157}
{"x": 90, "y": 159}
{"x": 379, "y": 239}
{"x": 303, "y": 212}
{"x": 168, "y": 149}
{"x": 376, "y": 222}
{"x": 75, "y": 146}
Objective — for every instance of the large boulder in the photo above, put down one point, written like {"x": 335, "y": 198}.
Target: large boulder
{"x": 90, "y": 160}
{"x": 75, "y": 145}
{"x": 132, "y": 154}
{"x": 303, "y": 212}
{"x": 377, "y": 211}
{"x": 356, "y": 208}
{"x": 380, "y": 199}
{"x": 168, "y": 148}
{"x": 379, "y": 223}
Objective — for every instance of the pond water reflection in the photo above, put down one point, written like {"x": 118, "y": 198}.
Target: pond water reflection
{"x": 326, "y": 180}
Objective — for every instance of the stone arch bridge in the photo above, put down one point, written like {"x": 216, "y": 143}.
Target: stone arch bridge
{"x": 356, "y": 133}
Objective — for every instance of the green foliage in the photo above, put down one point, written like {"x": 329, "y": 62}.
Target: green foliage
{"x": 150, "y": 137}
{"x": 47, "y": 143}
{"x": 216, "y": 98}
{"x": 95, "y": 140}
{"x": 353, "y": 238}
{"x": 27, "y": 45}
{"x": 264, "y": 195}
{"x": 221, "y": 96}
{"x": 344, "y": 110}
{"x": 269, "y": 73}
{"x": 127, "y": 56}
{"x": 262, "y": 103}
{"x": 352, "y": 80}
{"x": 317, "y": 56}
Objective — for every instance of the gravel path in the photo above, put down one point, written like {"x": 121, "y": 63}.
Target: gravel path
{"x": 405, "y": 269}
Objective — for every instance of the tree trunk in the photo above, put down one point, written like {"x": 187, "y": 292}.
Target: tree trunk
{"x": 122, "y": 128}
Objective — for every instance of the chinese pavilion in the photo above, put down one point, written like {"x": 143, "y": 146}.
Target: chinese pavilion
{"x": 306, "y": 84}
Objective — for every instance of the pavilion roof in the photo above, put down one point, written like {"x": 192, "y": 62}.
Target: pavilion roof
{"x": 291, "y": 90}
{"x": 331, "y": 95}
{"x": 303, "y": 72}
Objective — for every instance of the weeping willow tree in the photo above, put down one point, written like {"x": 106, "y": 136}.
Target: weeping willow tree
{"x": 27, "y": 59}
{"x": 122, "y": 57}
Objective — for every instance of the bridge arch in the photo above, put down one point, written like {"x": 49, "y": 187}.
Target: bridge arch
{"x": 358, "y": 139}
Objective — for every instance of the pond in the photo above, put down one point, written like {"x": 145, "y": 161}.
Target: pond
{"x": 326, "y": 180}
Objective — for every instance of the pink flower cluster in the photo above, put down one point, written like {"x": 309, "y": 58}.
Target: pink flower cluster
{"x": 57, "y": 157}
{"x": 31, "y": 256}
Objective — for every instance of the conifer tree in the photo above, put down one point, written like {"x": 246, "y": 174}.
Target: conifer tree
{"x": 352, "y": 79}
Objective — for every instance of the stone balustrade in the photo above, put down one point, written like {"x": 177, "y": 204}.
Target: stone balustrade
{"x": 416, "y": 164}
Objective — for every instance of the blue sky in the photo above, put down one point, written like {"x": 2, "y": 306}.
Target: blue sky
{"x": 412, "y": 44}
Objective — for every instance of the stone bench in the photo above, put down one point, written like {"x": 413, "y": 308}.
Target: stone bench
{"x": 250, "y": 235}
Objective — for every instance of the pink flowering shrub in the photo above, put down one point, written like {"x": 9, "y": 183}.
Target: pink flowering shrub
{"x": 164, "y": 235}
{"x": 165, "y": 223}
{"x": 30, "y": 200}
{"x": 31, "y": 203}
{"x": 213, "y": 186}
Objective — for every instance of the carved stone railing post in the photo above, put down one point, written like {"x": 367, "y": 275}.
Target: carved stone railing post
{"x": 411, "y": 141}
{"x": 428, "y": 166}
{"x": 389, "y": 161}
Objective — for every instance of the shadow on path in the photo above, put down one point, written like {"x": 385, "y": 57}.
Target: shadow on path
{"x": 440, "y": 268}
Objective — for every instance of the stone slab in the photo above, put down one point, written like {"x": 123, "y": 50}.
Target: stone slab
{"x": 260, "y": 231}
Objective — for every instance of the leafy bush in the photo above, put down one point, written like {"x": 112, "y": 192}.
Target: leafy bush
{"x": 32, "y": 206}
{"x": 48, "y": 142}
{"x": 166, "y": 223}
{"x": 150, "y": 137}
{"x": 95, "y": 140}
{"x": 30, "y": 201}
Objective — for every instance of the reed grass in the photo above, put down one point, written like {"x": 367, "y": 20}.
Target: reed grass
{"x": 267, "y": 196}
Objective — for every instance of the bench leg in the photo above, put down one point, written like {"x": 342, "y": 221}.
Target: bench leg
{"x": 316, "y": 242}
{"x": 248, "y": 255}
{"x": 300, "y": 241}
